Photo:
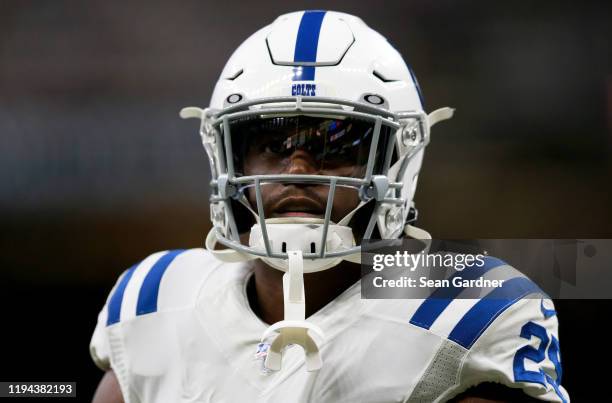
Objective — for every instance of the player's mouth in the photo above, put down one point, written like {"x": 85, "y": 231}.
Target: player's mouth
{"x": 298, "y": 207}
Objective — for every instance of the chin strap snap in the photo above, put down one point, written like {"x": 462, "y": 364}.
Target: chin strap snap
{"x": 294, "y": 329}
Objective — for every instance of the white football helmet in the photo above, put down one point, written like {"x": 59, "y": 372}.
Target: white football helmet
{"x": 344, "y": 90}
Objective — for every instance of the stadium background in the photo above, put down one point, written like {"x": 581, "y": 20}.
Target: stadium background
{"x": 97, "y": 170}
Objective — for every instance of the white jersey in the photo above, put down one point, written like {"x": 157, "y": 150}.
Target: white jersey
{"x": 178, "y": 327}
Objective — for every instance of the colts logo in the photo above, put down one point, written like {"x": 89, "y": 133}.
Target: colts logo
{"x": 308, "y": 90}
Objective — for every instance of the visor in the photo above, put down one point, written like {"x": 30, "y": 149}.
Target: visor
{"x": 337, "y": 146}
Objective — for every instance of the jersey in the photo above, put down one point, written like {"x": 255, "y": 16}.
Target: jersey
{"x": 178, "y": 327}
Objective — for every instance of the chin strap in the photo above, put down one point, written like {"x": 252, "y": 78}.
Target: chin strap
{"x": 294, "y": 329}
{"x": 233, "y": 256}
{"x": 225, "y": 255}
{"x": 439, "y": 115}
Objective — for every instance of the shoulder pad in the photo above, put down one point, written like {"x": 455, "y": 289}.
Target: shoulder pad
{"x": 163, "y": 281}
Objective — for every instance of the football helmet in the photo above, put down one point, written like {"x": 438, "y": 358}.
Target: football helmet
{"x": 323, "y": 82}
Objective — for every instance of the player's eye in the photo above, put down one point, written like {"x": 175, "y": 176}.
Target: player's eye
{"x": 274, "y": 144}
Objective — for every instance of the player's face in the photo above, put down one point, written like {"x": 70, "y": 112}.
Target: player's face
{"x": 306, "y": 146}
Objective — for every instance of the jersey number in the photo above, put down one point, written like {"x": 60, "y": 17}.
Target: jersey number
{"x": 521, "y": 374}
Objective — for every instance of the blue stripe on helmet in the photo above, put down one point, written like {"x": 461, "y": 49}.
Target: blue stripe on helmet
{"x": 307, "y": 43}
{"x": 149, "y": 291}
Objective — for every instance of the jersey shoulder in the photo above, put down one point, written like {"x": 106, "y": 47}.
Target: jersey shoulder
{"x": 164, "y": 281}
{"x": 507, "y": 336}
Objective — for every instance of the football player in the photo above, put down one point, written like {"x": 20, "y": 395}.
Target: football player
{"x": 315, "y": 136}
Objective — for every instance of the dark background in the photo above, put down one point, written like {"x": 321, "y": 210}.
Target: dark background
{"x": 97, "y": 170}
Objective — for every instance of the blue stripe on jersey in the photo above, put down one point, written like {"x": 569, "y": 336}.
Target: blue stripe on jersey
{"x": 437, "y": 302}
{"x": 114, "y": 304}
{"x": 149, "y": 291}
{"x": 481, "y": 315}
{"x": 307, "y": 43}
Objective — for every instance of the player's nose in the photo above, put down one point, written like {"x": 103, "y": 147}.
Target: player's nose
{"x": 301, "y": 162}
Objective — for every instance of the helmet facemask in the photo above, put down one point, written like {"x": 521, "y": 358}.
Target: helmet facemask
{"x": 349, "y": 146}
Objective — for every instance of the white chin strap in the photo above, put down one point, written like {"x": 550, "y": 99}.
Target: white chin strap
{"x": 296, "y": 236}
{"x": 304, "y": 235}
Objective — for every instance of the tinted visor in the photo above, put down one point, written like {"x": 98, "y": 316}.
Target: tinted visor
{"x": 319, "y": 145}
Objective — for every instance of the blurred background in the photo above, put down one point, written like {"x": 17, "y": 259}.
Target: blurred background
{"x": 98, "y": 171}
